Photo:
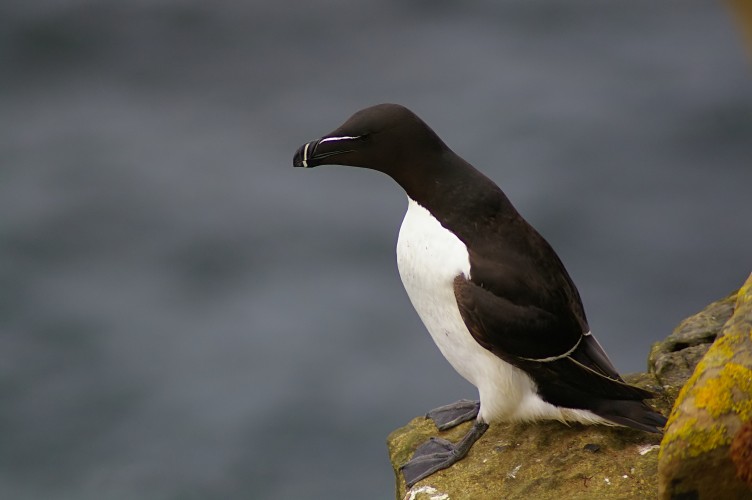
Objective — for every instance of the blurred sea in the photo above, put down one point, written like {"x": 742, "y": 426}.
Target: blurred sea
{"x": 183, "y": 315}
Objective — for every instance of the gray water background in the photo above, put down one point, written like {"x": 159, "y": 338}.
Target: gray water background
{"x": 183, "y": 315}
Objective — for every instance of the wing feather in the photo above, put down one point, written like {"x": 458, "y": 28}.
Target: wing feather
{"x": 568, "y": 365}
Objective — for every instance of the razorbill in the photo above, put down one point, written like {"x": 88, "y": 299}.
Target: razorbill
{"x": 491, "y": 291}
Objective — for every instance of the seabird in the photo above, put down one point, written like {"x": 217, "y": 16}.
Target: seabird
{"x": 492, "y": 293}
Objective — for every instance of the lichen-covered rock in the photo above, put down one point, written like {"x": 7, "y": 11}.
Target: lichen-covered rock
{"x": 545, "y": 460}
{"x": 711, "y": 409}
{"x": 741, "y": 453}
{"x": 550, "y": 460}
{"x": 673, "y": 360}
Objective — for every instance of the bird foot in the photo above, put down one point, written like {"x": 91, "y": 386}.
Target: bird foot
{"x": 437, "y": 454}
{"x": 448, "y": 416}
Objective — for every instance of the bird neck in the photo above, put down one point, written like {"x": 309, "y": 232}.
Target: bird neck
{"x": 450, "y": 188}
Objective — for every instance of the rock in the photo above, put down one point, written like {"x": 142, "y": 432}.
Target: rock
{"x": 538, "y": 460}
{"x": 673, "y": 360}
{"x": 710, "y": 412}
{"x": 741, "y": 453}
{"x": 551, "y": 460}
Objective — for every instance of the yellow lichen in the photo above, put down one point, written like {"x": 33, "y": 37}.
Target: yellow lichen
{"x": 715, "y": 397}
{"x": 694, "y": 440}
{"x": 745, "y": 292}
{"x": 720, "y": 385}
{"x": 723, "y": 348}
{"x": 676, "y": 410}
{"x": 730, "y": 391}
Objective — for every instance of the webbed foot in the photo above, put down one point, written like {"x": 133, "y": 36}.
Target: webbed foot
{"x": 448, "y": 416}
{"x": 437, "y": 454}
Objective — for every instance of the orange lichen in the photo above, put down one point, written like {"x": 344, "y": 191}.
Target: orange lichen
{"x": 741, "y": 453}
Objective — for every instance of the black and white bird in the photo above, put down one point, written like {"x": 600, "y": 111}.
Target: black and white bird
{"x": 492, "y": 293}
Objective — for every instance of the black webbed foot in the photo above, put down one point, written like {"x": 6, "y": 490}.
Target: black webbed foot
{"x": 437, "y": 454}
{"x": 448, "y": 416}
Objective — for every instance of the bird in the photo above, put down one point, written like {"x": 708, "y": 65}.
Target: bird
{"x": 491, "y": 291}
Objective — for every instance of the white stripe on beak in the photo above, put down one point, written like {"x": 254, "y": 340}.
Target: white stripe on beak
{"x": 305, "y": 155}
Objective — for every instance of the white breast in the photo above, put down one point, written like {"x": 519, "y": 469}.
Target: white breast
{"x": 429, "y": 257}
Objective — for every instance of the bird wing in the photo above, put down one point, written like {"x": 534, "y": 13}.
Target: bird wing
{"x": 567, "y": 364}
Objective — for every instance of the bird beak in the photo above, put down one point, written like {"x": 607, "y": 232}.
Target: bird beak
{"x": 314, "y": 153}
{"x": 304, "y": 155}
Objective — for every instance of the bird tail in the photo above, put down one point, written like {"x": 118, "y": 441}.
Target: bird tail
{"x": 634, "y": 414}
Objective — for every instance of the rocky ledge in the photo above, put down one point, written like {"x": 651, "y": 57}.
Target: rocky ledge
{"x": 702, "y": 374}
